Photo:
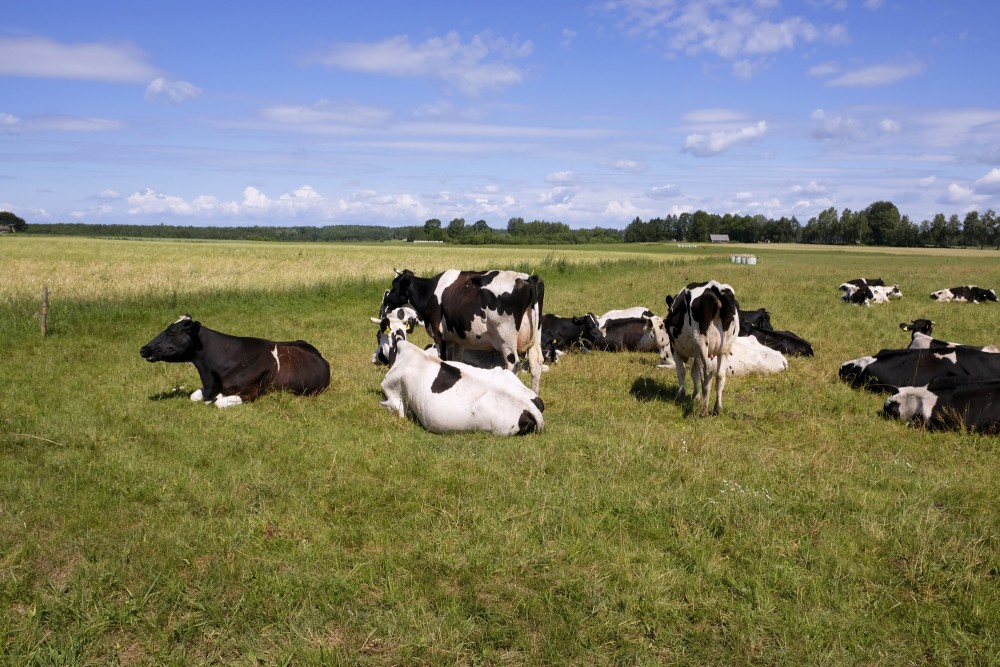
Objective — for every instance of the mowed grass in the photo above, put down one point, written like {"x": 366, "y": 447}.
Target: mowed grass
{"x": 137, "y": 527}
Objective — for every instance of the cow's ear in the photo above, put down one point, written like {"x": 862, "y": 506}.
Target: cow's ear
{"x": 410, "y": 325}
{"x": 670, "y": 300}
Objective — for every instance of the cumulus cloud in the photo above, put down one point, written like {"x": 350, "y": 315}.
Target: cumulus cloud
{"x": 705, "y": 145}
{"x": 481, "y": 64}
{"x": 835, "y": 126}
{"x": 632, "y": 166}
{"x": 560, "y": 177}
{"x": 990, "y": 183}
{"x": 39, "y": 57}
{"x": 873, "y": 76}
{"x": 742, "y": 32}
{"x": 927, "y": 181}
{"x": 172, "y": 92}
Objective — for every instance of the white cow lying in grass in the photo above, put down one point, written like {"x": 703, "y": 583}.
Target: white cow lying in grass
{"x": 749, "y": 356}
{"x": 450, "y": 396}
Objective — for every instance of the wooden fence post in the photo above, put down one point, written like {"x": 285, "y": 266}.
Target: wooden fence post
{"x": 45, "y": 309}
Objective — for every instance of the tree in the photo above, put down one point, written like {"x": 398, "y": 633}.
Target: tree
{"x": 456, "y": 229}
{"x": 433, "y": 231}
{"x": 992, "y": 226}
{"x": 8, "y": 218}
{"x": 883, "y": 221}
{"x": 974, "y": 229}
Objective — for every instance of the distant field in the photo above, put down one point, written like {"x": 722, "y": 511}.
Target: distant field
{"x": 800, "y": 528}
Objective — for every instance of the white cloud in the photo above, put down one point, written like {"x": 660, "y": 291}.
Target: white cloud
{"x": 705, "y": 145}
{"x": 835, "y": 126}
{"x": 474, "y": 67}
{"x": 326, "y": 113}
{"x": 877, "y": 75}
{"x": 958, "y": 194}
{"x": 663, "y": 191}
{"x": 714, "y": 116}
{"x": 728, "y": 30}
{"x": 560, "y": 177}
{"x": 38, "y": 57}
{"x": 927, "y": 181}
{"x": 990, "y": 183}
{"x": 632, "y": 166}
{"x": 888, "y": 126}
{"x": 173, "y": 92}
{"x": 824, "y": 70}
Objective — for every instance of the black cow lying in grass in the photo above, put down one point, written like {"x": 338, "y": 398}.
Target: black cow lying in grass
{"x": 950, "y": 403}
{"x": 235, "y": 369}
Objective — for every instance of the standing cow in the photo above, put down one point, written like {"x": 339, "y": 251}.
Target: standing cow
{"x": 238, "y": 369}
{"x": 702, "y": 323}
{"x": 477, "y": 310}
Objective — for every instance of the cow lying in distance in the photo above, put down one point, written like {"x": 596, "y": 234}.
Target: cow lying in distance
{"x": 949, "y": 402}
{"x": 639, "y": 334}
{"x": 237, "y": 369}
{"x": 883, "y": 293}
{"x": 750, "y": 357}
{"x": 860, "y": 295}
{"x": 702, "y": 323}
{"x": 450, "y": 396}
{"x": 560, "y": 334}
{"x": 477, "y": 310}
{"x": 920, "y": 338}
{"x": 891, "y": 369}
{"x": 965, "y": 293}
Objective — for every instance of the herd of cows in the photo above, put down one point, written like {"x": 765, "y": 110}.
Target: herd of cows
{"x": 486, "y": 325}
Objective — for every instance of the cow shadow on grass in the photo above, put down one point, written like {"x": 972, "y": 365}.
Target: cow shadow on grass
{"x": 647, "y": 389}
{"x": 176, "y": 392}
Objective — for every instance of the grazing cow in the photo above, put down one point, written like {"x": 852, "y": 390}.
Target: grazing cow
{"x": 564, "y": 333}
{"x": 785, "y": 342}
{"x": 236, "y": 369}
{"x": 639, "y": 334}
{"x": 966, "y": 293}
{"x": 478, "y": 310}
{"x": 450, "y": 396}
{"x": 891, "y": 369}
{"x": 949, "y": 402}
{"x": 398, "y": 319}
{"x": 920, "y": 338}
{"x": 759, "y": 318}
{"x": 702, "y": 323}
{"x": 749, "y": 357}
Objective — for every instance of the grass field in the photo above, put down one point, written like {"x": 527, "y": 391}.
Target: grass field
{"x": 800, "y": 528}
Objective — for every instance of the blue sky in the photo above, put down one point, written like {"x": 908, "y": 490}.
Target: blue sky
{"x": 591, "y": 114}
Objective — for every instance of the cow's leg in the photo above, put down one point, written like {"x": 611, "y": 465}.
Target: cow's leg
{"x": 393, "y": 396}
{"x": 535, "y": 364}
{"x": 721, "y": 370}
{"x": 681, "y": 373}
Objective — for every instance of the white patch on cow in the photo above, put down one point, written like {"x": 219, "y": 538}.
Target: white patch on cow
{"x": 277, "y": 361}
{"x": 635, "y": 312}
{"x": 227, "y": 401}
{"x": 912, "y": 403}
{"x": 196, "y": 396}
{"x": 950, "y": 356}
{"x": 749, "y": 356}
{"x": 861, "y": 363}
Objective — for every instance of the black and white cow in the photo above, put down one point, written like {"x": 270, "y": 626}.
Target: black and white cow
{"x": 560, "y": 334}
{"x": 403, "y": 319}
{"x": 478, "y": 310}
{"x": 891, "y": 369}
{"x": 920, "y": 338}
{"x": 949, "y": 402}
{"x": 782, "y": 341}
{"x": 450, "y": 396}
{"x": 237, "y": 369}
{"x": 884, "y": 293}
{"x": 857, "y": 294}
{"x": 702, "y": 323}
{"x": 965, "y": 294}
{"x": 639, "y": 334}
{"x": 759, "y": 318}
{"x": 636, "y": 329}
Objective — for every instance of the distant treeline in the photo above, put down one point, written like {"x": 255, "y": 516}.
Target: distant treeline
{"x": 879, "y": 224}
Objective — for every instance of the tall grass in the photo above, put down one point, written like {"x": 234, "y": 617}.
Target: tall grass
{"x": 137, "y": 527}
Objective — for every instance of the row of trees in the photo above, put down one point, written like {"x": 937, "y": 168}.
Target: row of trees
{"x": 880, "y": 224}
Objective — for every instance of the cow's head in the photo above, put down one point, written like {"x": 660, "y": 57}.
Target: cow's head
{"x": 590, "y": 332}
{"x": 390, "y": 331}
{"x": 398, "y": 293}
{"x": 918, "y": 326}
{"x": 910, "y": 404}
{"x": 178, "y": 342}
{"x": 990, "y": 295}
{"x": 894, "y": 292}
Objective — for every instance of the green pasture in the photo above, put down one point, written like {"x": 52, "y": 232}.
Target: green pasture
{"x": 799, "y": 528}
